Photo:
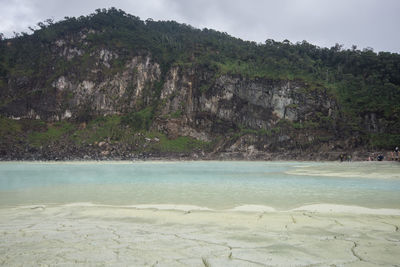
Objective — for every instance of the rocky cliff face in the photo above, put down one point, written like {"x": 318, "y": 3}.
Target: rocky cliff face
{"x": 97, "y": 93}
{"x": 235, "y": 113}
{"x": 160, "y": 87}
{"x": 192, "y": 91}
{"x": 232, "y": 102}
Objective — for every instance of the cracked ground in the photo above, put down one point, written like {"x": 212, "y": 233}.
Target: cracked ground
{"x": 119, "y": 236}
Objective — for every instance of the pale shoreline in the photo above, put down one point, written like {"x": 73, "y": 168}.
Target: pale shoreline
{"x": 370, "y": 170}
{"x": 94, "y": 235}
{"x": 323, "y": 208}
{"x": 172, "y": 234}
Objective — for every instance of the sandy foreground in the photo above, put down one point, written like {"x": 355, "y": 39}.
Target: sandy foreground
{"x": 82, "y": 235}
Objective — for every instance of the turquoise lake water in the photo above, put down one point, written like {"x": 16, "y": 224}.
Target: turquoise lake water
{"x": 216, "y": 185}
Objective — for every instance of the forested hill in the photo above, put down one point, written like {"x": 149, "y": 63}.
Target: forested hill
{"x": 112, "y": 79}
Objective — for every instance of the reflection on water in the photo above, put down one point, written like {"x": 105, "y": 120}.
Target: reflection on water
{"x": 216, "y": 185}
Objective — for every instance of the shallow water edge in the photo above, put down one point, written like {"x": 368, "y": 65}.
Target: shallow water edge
{"x": 199, "y": 214}
{"x": 211, "y": 184}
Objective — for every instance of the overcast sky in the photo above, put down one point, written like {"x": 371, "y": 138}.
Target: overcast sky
{"x": 365, "y": 23}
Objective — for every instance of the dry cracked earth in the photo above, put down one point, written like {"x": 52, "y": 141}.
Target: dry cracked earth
{"x": 118, "y": 236}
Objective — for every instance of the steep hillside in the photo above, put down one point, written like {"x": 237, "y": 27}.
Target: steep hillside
{"x": 109, "y": 85}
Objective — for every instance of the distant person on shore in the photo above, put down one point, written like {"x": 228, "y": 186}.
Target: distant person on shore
{"x": 396, "y": 150}
{"x": 380, "y": 157}
{"x": 348, "y": 158}
{"x": 341, "y": 157}
{"x": 392, "y": 155}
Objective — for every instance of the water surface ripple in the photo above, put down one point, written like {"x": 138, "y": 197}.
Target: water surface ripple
{"x": 210, "y": 184}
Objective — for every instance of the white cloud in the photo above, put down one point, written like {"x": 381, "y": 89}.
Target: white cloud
{"x": 16, "y": 15}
